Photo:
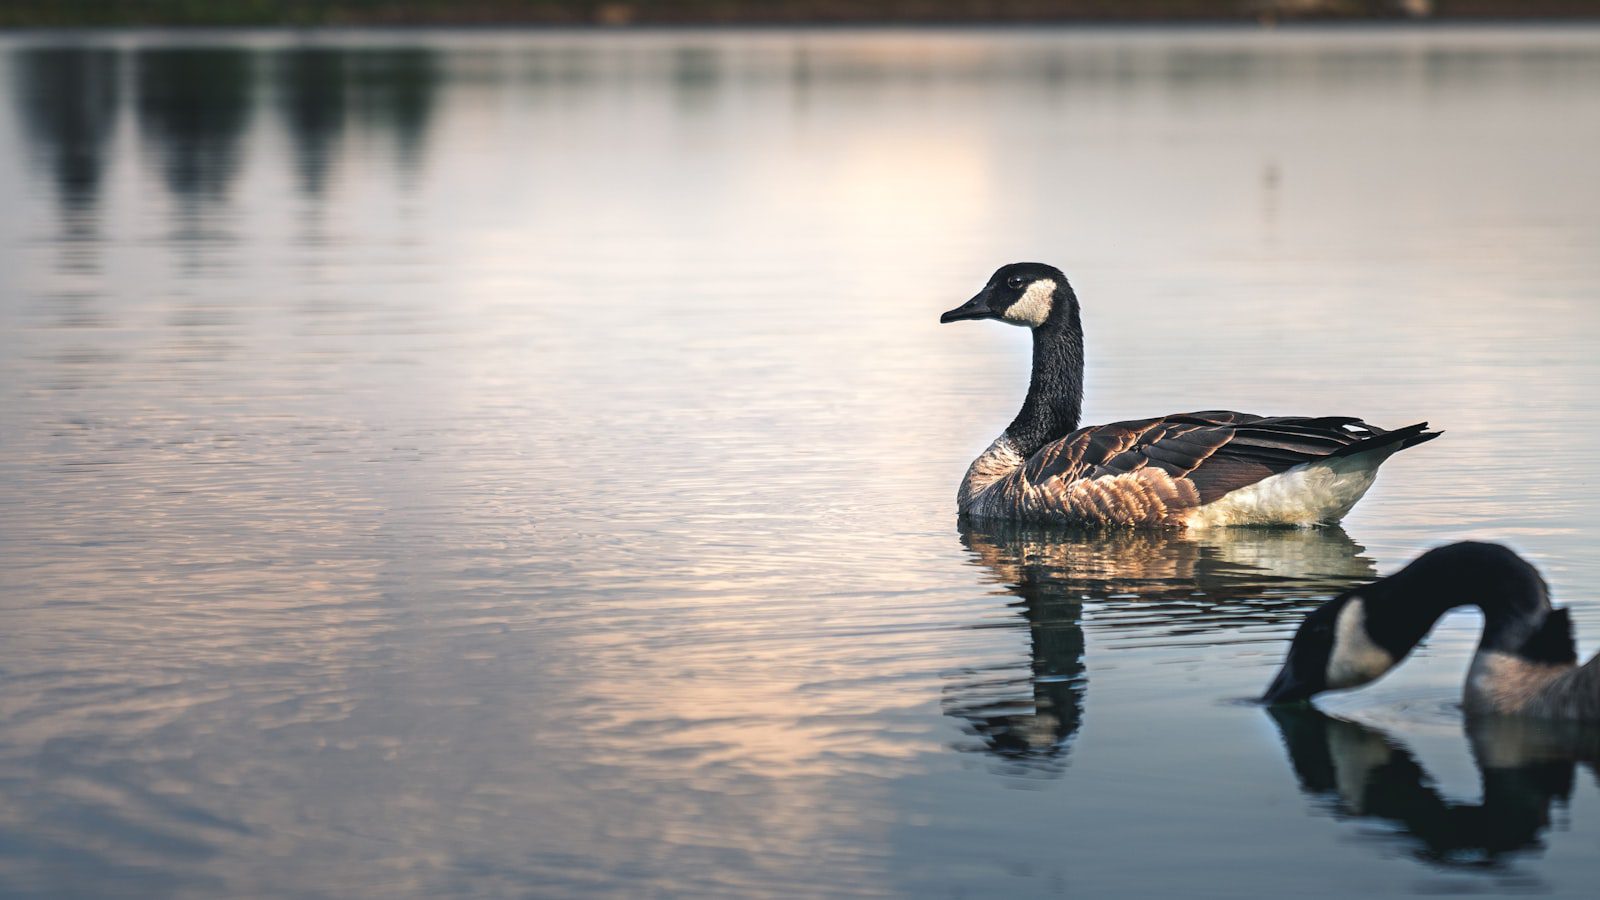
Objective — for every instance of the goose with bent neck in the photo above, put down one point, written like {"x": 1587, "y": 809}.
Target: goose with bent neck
{"x": 1191, "y": 469}
{"x": 1526, "y": 663}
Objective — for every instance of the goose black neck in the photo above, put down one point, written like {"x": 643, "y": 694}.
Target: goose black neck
{"x": 1400, "y": 610}
{"x": 1055, "y": 391}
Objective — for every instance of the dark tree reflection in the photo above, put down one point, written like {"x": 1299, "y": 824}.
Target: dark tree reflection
{"x": 313, "y": 96}
{"x": 1527, "y": 768}
{"x": 194, "y": 105}
{"x": 1163, "y": 584}
{"x": 696, "y": 75}
{"x": 67, "y": 100}
{"x": 322, "y": 91}
{"x": 395, "y": 90}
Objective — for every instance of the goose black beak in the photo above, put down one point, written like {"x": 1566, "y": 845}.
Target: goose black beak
{"x": 1286, "y": 688}
{"x": 976, "y": 308}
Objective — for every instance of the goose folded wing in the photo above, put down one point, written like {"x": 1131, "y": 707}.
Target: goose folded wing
{"x": 1218, "y": 451}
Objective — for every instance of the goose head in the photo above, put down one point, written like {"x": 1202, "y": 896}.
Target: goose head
{"x": 1026, "y": 293}
{"x": 1360, "y": 635}
{"x": 1331, "y": 650}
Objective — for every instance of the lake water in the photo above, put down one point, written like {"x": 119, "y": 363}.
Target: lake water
{"x": 523, "y": 464}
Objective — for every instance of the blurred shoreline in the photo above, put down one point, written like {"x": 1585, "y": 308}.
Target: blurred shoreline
{"x": 118, "y": 13}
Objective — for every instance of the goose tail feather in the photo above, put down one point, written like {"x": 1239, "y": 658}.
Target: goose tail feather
{"x": 1390, "y": 441}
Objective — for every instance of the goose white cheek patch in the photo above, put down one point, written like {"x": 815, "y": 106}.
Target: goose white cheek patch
{"x": 1033, "y": 307}
{"x": 1355, "y": 660}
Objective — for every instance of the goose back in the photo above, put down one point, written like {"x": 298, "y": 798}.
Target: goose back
{"x": 1503, "y": 684}
{"x": 1540, "y": 678}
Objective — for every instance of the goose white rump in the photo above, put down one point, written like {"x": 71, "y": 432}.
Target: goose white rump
{"x": 1314, "y": 493}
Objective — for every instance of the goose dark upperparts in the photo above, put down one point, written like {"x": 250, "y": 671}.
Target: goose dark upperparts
{"x": 1191, "y": 469}
{"x": 1526, "y": 663}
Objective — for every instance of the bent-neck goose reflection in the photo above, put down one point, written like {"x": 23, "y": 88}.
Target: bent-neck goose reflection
{"x": 1146, "y": 584}
{"x": 1525, "y": 768}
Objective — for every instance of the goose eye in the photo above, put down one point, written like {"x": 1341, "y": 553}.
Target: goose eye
{"x": 1015, "y": 281}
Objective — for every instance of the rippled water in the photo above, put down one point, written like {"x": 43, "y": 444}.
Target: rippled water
{"x": 524, "y": 464}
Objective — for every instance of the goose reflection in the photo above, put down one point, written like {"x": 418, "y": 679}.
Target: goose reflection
{"x": 1527, "y": 767}
{"x": 1150, "y": 585}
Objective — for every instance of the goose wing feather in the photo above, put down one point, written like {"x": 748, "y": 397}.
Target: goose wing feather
{"x": 1218, "y": 451}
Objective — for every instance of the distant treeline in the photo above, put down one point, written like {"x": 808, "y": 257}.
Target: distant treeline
{"x": 57, "y": 13}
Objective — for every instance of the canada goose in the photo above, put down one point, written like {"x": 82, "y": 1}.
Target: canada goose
{"x": 1193, "y": 469}
{"x": 1526, "y": 663}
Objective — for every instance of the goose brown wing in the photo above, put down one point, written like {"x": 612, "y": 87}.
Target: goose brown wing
{"x": 1216, "y": 451}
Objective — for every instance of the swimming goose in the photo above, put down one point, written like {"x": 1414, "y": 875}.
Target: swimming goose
{"x": 1526, "y": 663}
{"x": 1193, "y": 469}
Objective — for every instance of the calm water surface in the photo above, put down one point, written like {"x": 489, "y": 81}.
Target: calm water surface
{"x": 492, "y": 464}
